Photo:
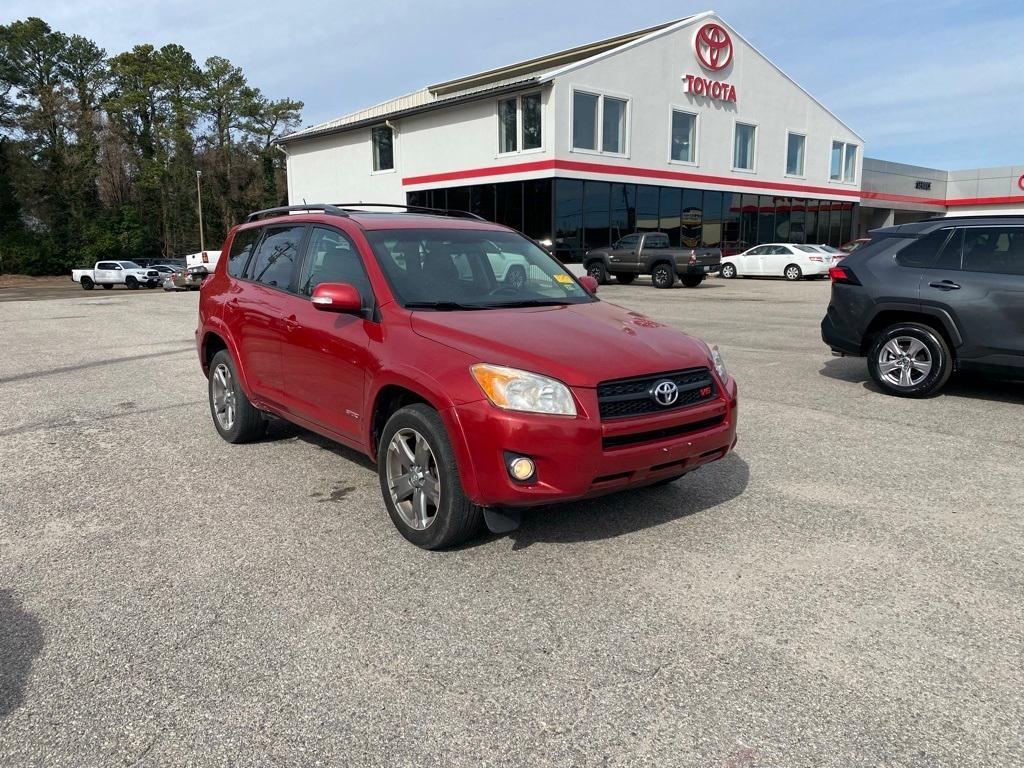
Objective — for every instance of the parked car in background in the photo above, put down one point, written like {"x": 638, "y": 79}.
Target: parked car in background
{"x": 163, "y": 269}
{"x": 186, "y": 279}
{"x": 834, "y": 254}
{"x": 649, "y": 253}
{"x": 391, "y": 334}
{"x": 111, "y": 273}
{"x": 853, "y": 245}
{"x": 207, "y": 259}
{"x": 793, "y": 261}
{"x": 923, "y": 300}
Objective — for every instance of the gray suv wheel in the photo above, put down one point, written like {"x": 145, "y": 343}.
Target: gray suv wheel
{"x": 910, "y": 360}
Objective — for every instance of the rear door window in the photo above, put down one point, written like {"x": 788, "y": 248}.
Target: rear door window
{"x": 241, "y": 249}
{"x": 276, "y": 257}
{"x": 994, "y": 249}
{"x": 921, "y": 252}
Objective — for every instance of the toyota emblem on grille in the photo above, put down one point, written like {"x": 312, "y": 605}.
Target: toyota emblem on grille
{"x": 665, "y": 393}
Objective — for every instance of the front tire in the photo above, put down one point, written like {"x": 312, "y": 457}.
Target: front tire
{"x": 597, "y": 271}
{"x": 728, "y": 271}
{"x": 663, "y": 276}
{"x": 792, "y": 273}
{"x": 692, "y": 281}
{"x": 237, "y": 420}
{"x": 420, "y": 481}
{"x": 131, "y": 283}
{"x": 910, "y": 360}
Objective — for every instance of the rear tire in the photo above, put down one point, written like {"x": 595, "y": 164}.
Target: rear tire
{"x": 597, "y": 271}
{"x": 88, "y": 284}
{"x": 910, "y": 360}
{"x": 625, "y": 279}
{"x": 417, "y": 471}
{"x": 236, "y": 419}
{"x": 792, "y": 273}
{"x": 663, "y": 275}
{"x": 728, "y": 271}
{"x": 692, "y": 281}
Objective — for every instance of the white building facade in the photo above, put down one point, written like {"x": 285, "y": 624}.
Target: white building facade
{"x": 684, "y": 128}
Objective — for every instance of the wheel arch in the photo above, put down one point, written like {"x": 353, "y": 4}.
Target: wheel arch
{"x": 930, "y": 316}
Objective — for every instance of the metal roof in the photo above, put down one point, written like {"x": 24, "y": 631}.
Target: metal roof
{"x": 480, "y": 85}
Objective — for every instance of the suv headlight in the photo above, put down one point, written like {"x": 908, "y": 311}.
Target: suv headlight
{"x": 716, "y": 357}
{"x": 517, "y": 390}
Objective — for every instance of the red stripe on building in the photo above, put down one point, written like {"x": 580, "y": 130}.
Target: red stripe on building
{"x": 609, "y": 169}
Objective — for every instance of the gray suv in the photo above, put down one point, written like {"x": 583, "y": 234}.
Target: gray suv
{"x": 923, "y": 300}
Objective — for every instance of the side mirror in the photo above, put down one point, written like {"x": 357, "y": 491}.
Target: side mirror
{"x": 589, "y": 284}
{"x": 336, "y": 297}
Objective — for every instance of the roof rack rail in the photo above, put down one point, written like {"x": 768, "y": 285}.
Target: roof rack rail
{"x": 414, "y": 209}
{"x": 330, "y": 210}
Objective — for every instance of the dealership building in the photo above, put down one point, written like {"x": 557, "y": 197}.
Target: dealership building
{"x": 683, "y": 128}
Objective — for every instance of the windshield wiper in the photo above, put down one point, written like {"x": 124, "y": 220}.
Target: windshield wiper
{"x": 442, "y": 305}
{"x": 531, "y": 303}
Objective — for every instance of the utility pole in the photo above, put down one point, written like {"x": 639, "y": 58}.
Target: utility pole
{"x": 199, "y": 196}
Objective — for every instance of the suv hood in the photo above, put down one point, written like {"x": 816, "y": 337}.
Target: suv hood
{"x": 579, "y": 344}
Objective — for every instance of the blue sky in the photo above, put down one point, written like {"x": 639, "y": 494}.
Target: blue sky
{"x": 937, "y": 83}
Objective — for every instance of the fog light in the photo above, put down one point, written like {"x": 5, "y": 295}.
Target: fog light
{"x": 521, "y": 468}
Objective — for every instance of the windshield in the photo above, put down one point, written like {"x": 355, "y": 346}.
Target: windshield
{"x": 448, "y": 269}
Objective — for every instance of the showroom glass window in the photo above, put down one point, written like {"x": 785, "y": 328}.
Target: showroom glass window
{"x": 795, "y": 154}
{"x": 692, "y": 217}
{"x": 383, "y": 141}
{"x": 843, "y": 163}
{"x": 743, "y": 147}
{"x": 684, "y": 136}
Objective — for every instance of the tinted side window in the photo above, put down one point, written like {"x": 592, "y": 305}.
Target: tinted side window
{"x": 994, "y": 249}
{"x": 106, "y": 265}
{"x": 656, "y": 241}
{"x": 919, "y": 253}
{"x": 276, "y": 256}
{"x": 332, "y": 258}
{"x": 628, "y": 242}
{"x": 241, "y": 250}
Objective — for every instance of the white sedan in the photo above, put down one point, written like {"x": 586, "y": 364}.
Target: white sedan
{"x": 789, "y": 260}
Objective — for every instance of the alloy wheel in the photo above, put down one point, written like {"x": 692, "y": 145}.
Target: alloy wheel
{"x": 904, "y": 361}
{"x": 222, "y": 389}
{"x": 413, "y": 479}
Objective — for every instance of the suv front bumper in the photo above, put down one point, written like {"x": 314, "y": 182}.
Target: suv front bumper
{"x": 571, "y": 455}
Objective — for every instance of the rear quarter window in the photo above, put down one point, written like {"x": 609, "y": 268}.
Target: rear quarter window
{"x": 241, "y": 249}
{"x": 918, "y": 253}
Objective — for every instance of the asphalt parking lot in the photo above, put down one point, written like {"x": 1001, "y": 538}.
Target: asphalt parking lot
{"x": 844, "y": 590}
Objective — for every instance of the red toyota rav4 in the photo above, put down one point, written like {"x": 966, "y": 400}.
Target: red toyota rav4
{"x": 479, "y": 375}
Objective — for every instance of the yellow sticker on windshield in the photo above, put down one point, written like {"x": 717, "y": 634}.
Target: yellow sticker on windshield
{"x": 563, "y": 278}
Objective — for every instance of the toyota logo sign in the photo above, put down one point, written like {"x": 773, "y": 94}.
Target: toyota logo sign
{"x": 713, "y": 47}
{"x": 665, "y": 393}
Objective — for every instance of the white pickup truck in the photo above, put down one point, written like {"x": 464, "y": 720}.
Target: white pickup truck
{"x": 111, "y": 273}
{"x": 206, "y": 259}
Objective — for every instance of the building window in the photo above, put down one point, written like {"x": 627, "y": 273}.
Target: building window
{"x": 530, "y": 105}
{"x": 584, "y": 120}
{"x": 844, "y": 162}
{"x": 684, "y": 136}
{"x": 613, "y": 125}
{"x": 599, "y": 123}
{"x": 795, "y": 154}
{"x": 383, "y": 141}
{"x": 519, "y": 123}
{"x": 743, "y": 147}
{"x": 507, "y": 126}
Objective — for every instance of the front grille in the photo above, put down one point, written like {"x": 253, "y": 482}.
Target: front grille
{"x": 152, "y": 273}
{"x": 632, "y": 397}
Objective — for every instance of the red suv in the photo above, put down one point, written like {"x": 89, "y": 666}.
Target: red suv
{"x": 479, "y": 375}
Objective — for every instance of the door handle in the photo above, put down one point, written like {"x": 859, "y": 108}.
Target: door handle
{"x": 291, "y": 322}
{"x": 945, "y": 285}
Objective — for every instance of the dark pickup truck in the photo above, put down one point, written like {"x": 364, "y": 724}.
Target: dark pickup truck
{"x": 649, "y": 253}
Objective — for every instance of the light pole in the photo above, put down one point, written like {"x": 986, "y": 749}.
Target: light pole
{"x": 199, "y": 196}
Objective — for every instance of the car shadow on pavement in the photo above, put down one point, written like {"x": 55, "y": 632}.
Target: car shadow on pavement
{"x": 967, "y": 384}
{"x": 623, "y": 513}
{"x": 279, "y": 429}
{"x": 21, "y": 640}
